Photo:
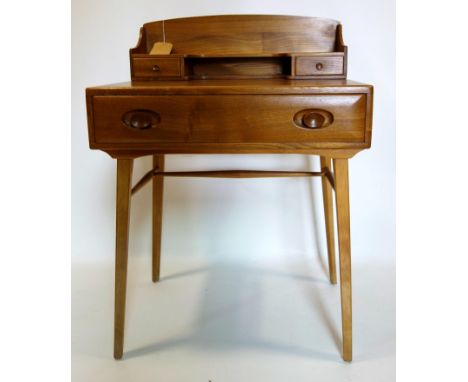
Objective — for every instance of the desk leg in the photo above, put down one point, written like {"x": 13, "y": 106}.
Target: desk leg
{"x": 342, "y": 207}
{"x": 328, "y": 206}
{"x": 158, "y": 186}
{"x": 124, "y": 185}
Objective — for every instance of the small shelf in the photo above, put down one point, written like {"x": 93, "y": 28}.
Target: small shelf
{"x": 223, "y": 60}
{"x": 237, "y": 66}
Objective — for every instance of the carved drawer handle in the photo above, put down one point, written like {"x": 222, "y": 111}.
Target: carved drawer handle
{"x": 313, "y": 118}
{"x": 141, "y": 119}
{"x": 156, "y": 68}
{"x": 319, "y": 66}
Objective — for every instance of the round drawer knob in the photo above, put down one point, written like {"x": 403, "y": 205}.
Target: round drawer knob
{"x": 156, "y": 68}
{"x": 319, "y": 66}
{"x": 313, "y": 120}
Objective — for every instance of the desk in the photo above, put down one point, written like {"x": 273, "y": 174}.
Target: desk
{"x": 329, "y": 117}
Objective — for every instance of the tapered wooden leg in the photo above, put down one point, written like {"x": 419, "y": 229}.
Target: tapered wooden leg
{"x": 158, "y": 186}
{"x": 329, "y": 222}
{"x": 124, "y": 184}
{"x": 342, "y": 207}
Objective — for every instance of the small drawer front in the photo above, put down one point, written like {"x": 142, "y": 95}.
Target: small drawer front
{"x": 316, "y": 66}
{"x": 229, "y": 118}
{"x": 156, "y": 67}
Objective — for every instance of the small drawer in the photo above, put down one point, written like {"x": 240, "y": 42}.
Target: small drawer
{"x": 149, "y": 68}
{"x": 319, "y": 65}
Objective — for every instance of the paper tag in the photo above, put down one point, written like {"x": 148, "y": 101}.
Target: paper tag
{"x": 161, "y": 48}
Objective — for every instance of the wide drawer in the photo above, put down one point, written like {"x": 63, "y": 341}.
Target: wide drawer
{"x": 229, "y": 118}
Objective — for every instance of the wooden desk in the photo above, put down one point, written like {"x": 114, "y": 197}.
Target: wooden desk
{"x": 232, "y": 113}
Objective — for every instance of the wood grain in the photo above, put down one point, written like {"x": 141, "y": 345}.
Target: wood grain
{"x": 223, "y": 174}
{"x": 234, "y": 84}
{"x": 325, "y": 163}
{"x": 158, "y": 191}
{"x": 238, "y": 67}
{"x": 244, "y": 33}
{"x": 343, "y": 215}
{"x": 284, "y": 88}
{"x": 230, "y": 119}
{"x": 324, "y": 65}
{"x": 136, "y": 152}
{"x": 124, "y": 179}
{"x": 239, "y": 86}
{"x": 216, "y": 40}
{"x": 154, "y": 68}
{"x": 241, "y": 174}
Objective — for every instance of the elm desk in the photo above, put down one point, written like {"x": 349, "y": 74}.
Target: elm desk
{"x": 203, "y": 114}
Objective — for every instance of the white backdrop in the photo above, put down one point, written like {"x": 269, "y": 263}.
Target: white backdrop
{"x": 233, "y": 219}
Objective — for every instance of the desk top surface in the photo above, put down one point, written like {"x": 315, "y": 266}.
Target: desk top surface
{"x": 257, "y": 86}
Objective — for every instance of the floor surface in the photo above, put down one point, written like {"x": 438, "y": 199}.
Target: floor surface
{"x": 232, "y": 321}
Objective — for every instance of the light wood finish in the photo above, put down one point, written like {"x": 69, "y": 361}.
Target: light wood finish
{"x": 325, "y": 164}
{"x": 245, "y": 46}
{"x": 104, "y": 117}
{"x": 343, "y": 215}
{"x": 208, "y": 148}
{"x": 241, "y": 33}
{"x": 158, "y": 188}
{"x": 124, "y": 180}
{"x": 260, "y": 86}
{"x": 154, "y": 68}
{"x": 325, "y": 65}
{"x": 234, "y": 84}
{"x": 227, "y": 174}
{"x": 238, "y": 174}
{"x": 237, "y": 67}
{"x": 231, "y": 119}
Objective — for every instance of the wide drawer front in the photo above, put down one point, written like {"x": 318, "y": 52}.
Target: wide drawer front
{"x": 229, "y": 118}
